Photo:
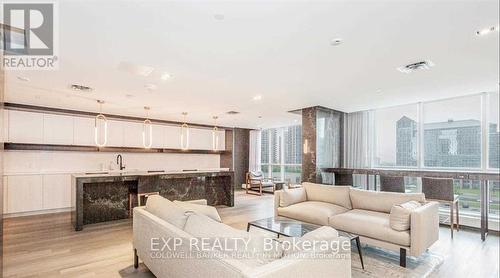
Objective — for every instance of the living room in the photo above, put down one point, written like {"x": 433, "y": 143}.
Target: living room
{"x": 249, "y": 139}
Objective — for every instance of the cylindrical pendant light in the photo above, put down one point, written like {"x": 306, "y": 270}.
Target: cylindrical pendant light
{"x": 215, "y": 135}
{"x": 147, "y": 130}
{"x": 100, "y": 118}
{"x": 184, "y": 133}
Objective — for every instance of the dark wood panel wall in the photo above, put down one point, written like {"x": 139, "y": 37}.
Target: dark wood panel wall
{"x": 238, "y": 153}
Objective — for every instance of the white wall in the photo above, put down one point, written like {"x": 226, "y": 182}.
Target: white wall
{"x": 40, "y": 181}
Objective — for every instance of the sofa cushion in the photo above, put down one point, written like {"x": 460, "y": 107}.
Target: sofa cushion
{"x": 202, "y": 209}
{"x": 289, "y": 197}
{"x": 311, "y": 211}
{"x": 337, "y": 195}
{"x": 199, "y": 225}
{"x": 370, "y": 224}
{"x": 399, "y": 218}
{"x": 167, "y": 210}
{"x": 381, "y": 201}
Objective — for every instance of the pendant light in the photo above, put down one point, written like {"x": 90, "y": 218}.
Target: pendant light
{"x": 100, "y": 118}
{"x": 215, "y": 135}
{"x": 147, "y": 128}
{"x": 184, "y": 133}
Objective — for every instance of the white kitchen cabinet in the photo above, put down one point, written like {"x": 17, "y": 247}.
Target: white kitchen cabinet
{"x": 83, "y": 131}
{"x": 132, "y": 134}
{"x": 173, "y": 137}
{"x": 56, "y": 191}
{"x": 57, "y": 129}
{"x": 115, "y": 133}
{"x": 200, "y": 139}
{"x": 24, "y": 193}
{"x": 25, "y": 127}
{"x": 158, "y": 136}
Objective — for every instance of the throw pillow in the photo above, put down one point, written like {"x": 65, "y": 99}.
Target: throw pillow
{"x": 292, "y": 196}
{"x": 167, "y": 210}
{"x": 202, "y": 209}
{"x": 399, "y": 218}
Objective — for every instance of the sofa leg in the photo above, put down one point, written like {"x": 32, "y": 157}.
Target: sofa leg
{"x": 136, "y": 259}
{"x": 402, "y": 257}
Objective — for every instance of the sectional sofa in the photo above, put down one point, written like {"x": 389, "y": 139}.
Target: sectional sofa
{"x": 395, "y": 221}
{"x": 163, "y": 221}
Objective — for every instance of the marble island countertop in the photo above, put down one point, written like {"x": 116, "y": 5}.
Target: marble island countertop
{"x": 123, "y": 173}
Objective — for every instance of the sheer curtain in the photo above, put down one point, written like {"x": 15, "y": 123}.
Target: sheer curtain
{"x": 254, "y": 156}
{"x": 357, "y": 143}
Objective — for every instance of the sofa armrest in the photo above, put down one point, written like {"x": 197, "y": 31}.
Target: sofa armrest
{"x": 277, "y": 196}
{"x": 198, "y": 202}
{"x": 424, "y": 227}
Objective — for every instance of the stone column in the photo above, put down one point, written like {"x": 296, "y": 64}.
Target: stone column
{"x": 322, "y": 143}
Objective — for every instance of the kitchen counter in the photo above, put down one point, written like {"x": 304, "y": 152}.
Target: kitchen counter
{"x": 107, "y": 196}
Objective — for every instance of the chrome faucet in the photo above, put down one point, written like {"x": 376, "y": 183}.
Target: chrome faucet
{"x": 119, "y": 161}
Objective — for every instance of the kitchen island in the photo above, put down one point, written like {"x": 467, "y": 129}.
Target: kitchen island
{"x": 101, "y": 197}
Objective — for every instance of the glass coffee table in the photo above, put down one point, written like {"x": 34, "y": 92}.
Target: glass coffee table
{"x": 283, "y": 226}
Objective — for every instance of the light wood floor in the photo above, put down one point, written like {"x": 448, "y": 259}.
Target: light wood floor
{"x": 47, "y": 245}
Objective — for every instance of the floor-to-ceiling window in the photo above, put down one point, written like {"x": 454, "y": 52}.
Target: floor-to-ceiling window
{"x": 281, "y": 153}
{"x": 454, "y": 134}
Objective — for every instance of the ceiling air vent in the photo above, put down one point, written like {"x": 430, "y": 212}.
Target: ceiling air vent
{"x": 423, "y": 65}
{"x": 80, "y": 88}
{"x": 232, "y": 112}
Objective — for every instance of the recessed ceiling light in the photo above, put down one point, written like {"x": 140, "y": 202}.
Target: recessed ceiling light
{"x": 487, "y": 31}
{"x": 336, "y": 41}
{"x": 151, "y": 87}
{"x": 422, "y": 65}
{"x": 80, "y": 88}
{"x": 378, "y": 91}
{"x": 23, "y": 78}
{"x": 257, "y": 97}
{"x": 165, "y": 76}
{"x": 295, "y": 121}
{"x": 219, "y": 16}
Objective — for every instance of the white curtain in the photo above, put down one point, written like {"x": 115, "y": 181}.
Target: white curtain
{"x": 357, "y": 144}
{"x": 254, "y": 157}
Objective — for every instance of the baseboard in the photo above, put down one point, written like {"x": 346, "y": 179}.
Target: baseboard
{"x": 38, "y": 212}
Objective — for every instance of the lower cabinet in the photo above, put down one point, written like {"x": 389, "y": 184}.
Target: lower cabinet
{"x": 23, "y": 193}
{"x": 56, "y": 191}
{"x": 31, "y": 193}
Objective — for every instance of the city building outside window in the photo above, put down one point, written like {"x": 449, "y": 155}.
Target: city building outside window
{"x": 281, "y": 153}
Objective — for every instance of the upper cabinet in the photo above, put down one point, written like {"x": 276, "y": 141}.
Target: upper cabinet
{"x": 159, "y": 140}
{"x": 25, "y": 127}
{"x": 132, "y": 134}
{"x": 115, "y": 133}
{"x": 45, "y": 128}
{"x": 57, "y": 129}
{"x": 83, "y": 131}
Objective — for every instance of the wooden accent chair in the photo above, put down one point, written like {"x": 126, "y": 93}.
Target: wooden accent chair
{"x": 255, "y": 182}
{"x": 441, "y": 190}
{"x": 392, "y": 184}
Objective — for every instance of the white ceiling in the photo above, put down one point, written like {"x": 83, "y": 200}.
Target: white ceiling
{"x": 279, "y": 50}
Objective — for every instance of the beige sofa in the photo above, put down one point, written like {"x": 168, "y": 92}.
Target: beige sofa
{"x": 167, "y": 220}
{"x": 367, "y": 214}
